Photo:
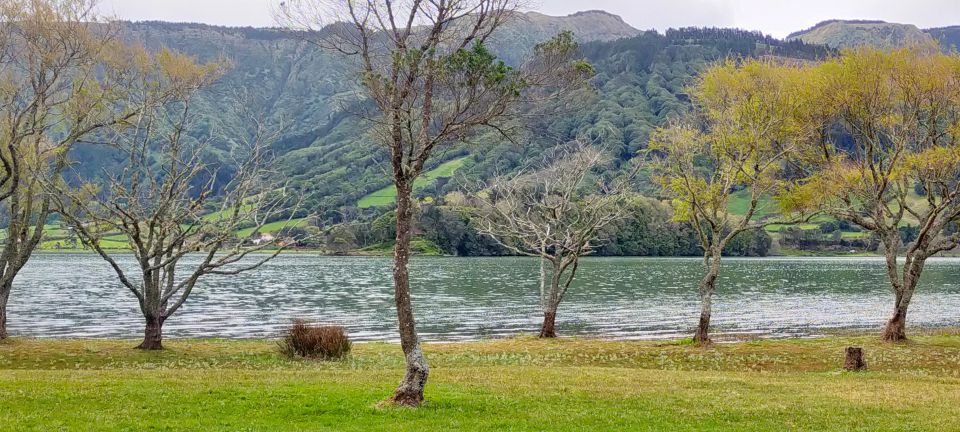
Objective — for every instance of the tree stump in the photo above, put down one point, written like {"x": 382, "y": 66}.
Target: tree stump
{"x": 854, "y": 359}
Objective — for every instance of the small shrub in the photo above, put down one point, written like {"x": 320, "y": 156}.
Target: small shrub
{"x": 303, "y": 340}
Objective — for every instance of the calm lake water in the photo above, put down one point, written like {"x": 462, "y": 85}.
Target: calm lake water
{"x": 77, "y": 295}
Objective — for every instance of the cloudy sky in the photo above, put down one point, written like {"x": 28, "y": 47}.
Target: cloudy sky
{"x": 775, "y": 17}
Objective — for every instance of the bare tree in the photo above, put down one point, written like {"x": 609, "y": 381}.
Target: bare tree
{"x": 62, "y": 73}
{"x": 424, "y": 66}
{"x": 555, "y": 211}
{"x": 180, "y": 224}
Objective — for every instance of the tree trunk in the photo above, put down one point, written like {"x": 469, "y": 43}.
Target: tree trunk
{"x": 3, "y": 322}
{"x": 549, "y": 327}
{"x": 543, "y": 278}
{"x": 702, "y": 335}
{"x": 410, "y": 390}
{"x": 152, "y": 335}
{"x": 707, "y": 287}
{"x": 853, "y": 360}
{"x": 551, "y": 302}
{"x": 4, "y": 297}
{"x": 896, "y": 329}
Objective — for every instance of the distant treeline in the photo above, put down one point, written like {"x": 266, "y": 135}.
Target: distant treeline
{"x": 646, "y": 231}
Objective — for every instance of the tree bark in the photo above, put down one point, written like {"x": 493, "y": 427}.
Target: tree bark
{"x": 152, "y": 334}
{"x": 707, "y": 287}
{"x": 896, "y": 328}
{"x": 4, "y": 296}
{"x": 551, "y": 302}
{"x": 410, "y": 390}
{"x": 853, "y": 360}
{"x": 549, "y": 327}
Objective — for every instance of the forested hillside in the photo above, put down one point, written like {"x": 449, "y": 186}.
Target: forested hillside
{"x": 949, "y": 37}
{"x": 640, "y": 82}
{"x": 312, "y": 96}
{"x": 324, "y": 149}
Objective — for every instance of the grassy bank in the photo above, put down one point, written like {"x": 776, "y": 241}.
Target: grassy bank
{"x": 518, "y": 384}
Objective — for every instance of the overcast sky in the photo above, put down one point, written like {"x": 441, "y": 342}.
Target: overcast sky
{"x": 775, "y": 17}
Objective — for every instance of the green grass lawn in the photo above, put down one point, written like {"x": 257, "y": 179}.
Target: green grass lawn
{"x": 791, "y": 252}
{"x": 740, "y": 203}
{"x": 388, "y": 195}
{"x": 855, "y": 235}
{"x": 780, "y": 227}
{"x": 418, "y": 245}
{"x": 55, "y": 236}
{"x": 49, "y": 231}
{"x": 273, "y": 227}
{"x": 106, "y": 243}
{"x": 227, "y": 213}
{"x": 517, "y": 384}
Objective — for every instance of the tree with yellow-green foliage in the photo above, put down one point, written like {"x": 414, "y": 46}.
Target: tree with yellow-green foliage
{"x": 746, "y": 124}
{"x": 888, "y": 124}
{"x": 65, "y": 78}
{"x": 62, "y": 71}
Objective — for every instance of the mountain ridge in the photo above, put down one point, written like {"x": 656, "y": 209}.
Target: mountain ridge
{"x": 840, "y": 34}
{"x": 831, "y": 21}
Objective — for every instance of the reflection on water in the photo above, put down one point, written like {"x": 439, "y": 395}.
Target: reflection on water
{"x": 77, "y": 295}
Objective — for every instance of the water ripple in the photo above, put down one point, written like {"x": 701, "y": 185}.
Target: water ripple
{"x": 77, "y": 295}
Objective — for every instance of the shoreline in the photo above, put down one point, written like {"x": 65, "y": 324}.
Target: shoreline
{"x": 318, "y": 253}
{"x": 718, "y": 337}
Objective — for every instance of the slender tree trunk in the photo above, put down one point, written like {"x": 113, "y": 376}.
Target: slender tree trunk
{"x": 543, "y": 279}
{"x": 895, "y": 329}
{"x": 707, "y": 288}
{"x": 152, "y": 334}
{"x": 410, "y": 390}
{"x": 551, "y": 303}
{"x": 4, "y": 297}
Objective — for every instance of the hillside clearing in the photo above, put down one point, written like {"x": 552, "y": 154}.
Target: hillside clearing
{"x": 387, "y": 195}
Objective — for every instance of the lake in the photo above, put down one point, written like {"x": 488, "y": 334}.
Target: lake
{"x": 77, "y": 295}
